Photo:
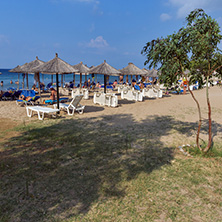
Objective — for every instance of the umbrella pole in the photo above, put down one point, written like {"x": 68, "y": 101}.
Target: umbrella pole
{"x": 74, "y": 79}
{"x": 131, "y": 79}
{"x": 85, "y": 77}
{"x": 104, "y": 83}
{"x": 57, "y": 87}
{"x": 80, "y": 84}
{"x": 39, "y": 88}
{"x": 27, "y": 81}
{"x": 18, "y": 81}
{"x": 23, "y": 78}
{"x": 62, "y": 80}
{"x": 126, "y": 79}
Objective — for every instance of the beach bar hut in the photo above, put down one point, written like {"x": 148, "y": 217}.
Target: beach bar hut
{"x": 106, "y": 70}
{"x": 82, "y": 69}
{"x": 56, "y": 66}
{"x": 131, "y": 70}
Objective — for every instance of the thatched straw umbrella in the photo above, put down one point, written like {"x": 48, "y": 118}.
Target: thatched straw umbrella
{"x": 131, "y": 70}
{"x": 106, "y": 70}
{"x": 82, "y": 69}
{"x": 28, "y": 67}
{"x": 56, "y": 66}
{"x": 153, "y": 73}
{"x": 18, "y": 70}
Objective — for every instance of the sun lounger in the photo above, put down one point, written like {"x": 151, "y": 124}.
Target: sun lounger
{"x": 105, "y": 99}
{"x": 132, "y": 95}
{"x": 84, "y": 92}
{"x": 73, "y": 106}
{"x": 49, "y": 101}
{"x": 40, "y": 111}
{"x": 152, "y": 93}
{"x": 31, "y": 101}
{"x": 7, "y": 96}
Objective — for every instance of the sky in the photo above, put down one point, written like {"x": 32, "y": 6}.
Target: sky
{"x": 90, "y": 31}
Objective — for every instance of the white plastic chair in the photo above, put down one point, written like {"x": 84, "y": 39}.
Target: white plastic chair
{"x": 73, "y": 106}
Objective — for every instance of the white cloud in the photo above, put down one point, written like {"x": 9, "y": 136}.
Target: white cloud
{"x": 99, "y": 42}
{"x": 164, "y": 17}
{"x": 186, "y": 6}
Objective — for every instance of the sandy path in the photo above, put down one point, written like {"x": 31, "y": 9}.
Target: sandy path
{"x": 181, "y": 107}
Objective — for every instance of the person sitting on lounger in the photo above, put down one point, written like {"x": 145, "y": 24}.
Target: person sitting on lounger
{"x": 26, "y": 98}
{"x": 115, "y": 83}
{"x": 53, "y": 93}
{"x": 98, "y": 85}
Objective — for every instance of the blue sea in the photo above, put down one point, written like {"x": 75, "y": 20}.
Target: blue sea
{"x": 7, "y": 76}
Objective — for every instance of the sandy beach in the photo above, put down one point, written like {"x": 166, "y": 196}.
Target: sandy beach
{"x": 181, "y": 108}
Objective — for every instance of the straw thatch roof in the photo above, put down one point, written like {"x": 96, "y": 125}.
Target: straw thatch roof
{"x": 131, "y": 69}
{"x": 16, "y": 69}
{"x": 55, "y": 66}
{"x": 82, "y": 68}
{"x": 27, "y": 67}
{"x": 105, "y": 69}
{"x": 151, "y": 73}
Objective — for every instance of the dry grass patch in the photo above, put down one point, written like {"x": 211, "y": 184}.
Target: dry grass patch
{"x": 94, "y": 170}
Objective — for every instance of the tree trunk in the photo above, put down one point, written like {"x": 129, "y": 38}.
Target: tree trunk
{"x": 209, "y": 120}
{"x": 200, "y": 118}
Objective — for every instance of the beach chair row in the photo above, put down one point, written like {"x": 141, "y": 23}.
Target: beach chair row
{"x": 105, "y": 99}
{"x": 70, "y": 108}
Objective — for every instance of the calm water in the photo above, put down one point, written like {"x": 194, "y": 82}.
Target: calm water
{"x": 7, "y": 76}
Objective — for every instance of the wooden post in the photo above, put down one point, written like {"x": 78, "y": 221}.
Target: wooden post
{"x": 126, "y": 79}
{"x": 62, "y": 80}
{"x": 27, "y": 81}
{"x": 74, "y": 79}
{"x": 23, "y": 79}
{"x": 57, "y": 87}
{"x": 80, "y": 84}
{"x": 104, "y": 83}
{"x": 18, "y": 81}
{"x": 39, "y": 88}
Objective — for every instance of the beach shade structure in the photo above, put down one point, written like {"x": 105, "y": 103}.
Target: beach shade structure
{"x": 55, "y": 66}
{"x": 18, "y": 70}
{"x": 83, "y": 69}
{"x": 106, "y": 70}
{"x": 131, "y": 70}
{"x": 28, "y": 68}
{"x": 152, "y": 73}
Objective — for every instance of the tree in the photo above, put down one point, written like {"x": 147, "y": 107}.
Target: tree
{"x": 193, "y": 47}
